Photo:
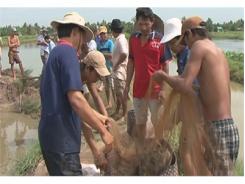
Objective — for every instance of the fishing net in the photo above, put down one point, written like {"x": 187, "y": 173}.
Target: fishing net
{"x": 194, "y": 145}
{"x": 131, "y": 158}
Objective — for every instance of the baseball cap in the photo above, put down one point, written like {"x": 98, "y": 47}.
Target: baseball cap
{"x": 97, "y": 60}
{"x": 191, "y": 23}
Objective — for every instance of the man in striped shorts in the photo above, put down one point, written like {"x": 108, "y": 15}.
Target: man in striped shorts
{"x": 208, "y": 64}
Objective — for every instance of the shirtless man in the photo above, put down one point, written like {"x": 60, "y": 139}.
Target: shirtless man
{"x": 209, "y": 65}
{"x": 14, "y": 43}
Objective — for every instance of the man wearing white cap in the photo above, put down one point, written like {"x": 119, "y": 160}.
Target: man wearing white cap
{"x": 172, "y": 33}
{"x": 63, "y": 105}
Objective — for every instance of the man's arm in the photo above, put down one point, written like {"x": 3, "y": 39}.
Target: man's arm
{"x": 130, "y": 73}
{"x": 121, "y": 59}
{"x": 41, "y": 41}
{"x": 18, "y": 42}
{"x": 10, "y": 44}
{"x": 85, "y": 112}
{"x": 97, "y": 99}
{"x": 99, "y": 158}
{"x": 183, "y": 83}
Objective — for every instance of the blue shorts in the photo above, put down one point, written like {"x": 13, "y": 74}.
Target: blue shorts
{"x": 62, "y": 164}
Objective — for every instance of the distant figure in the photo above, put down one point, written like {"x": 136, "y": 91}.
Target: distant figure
{"x": 14, "y": 43}
{"x": 1, "y": 43}
{"x": 119, "y": 61}
{"x": 49, "y": 47}
{"x": 41, "y": 41}
{"x": 105, "y": 45}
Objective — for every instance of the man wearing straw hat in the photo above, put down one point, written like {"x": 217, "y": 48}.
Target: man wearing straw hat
{"x": 63, "y": 105}
{"x": 208, "y": 64}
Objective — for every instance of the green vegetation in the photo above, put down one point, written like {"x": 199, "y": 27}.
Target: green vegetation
{"x": 236, "y": 65}
{"x": 27, "y": 103}
{"x": 239, "y": 168}
{"x": 237, "y": 35}
{"x": 27, "y": 164}
{"x": 31, "y": 106}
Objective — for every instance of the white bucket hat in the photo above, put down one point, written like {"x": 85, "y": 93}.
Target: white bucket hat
{"x": 74, "y": 18}
{"x": 172, "y": 28}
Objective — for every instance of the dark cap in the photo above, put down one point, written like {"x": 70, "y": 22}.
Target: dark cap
{"x": 116, "y": 24}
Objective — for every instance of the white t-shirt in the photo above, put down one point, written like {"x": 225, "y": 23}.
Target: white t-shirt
{"x": 40, "y": 38}
{"x": 121, "y": 46}
{"x": 92, "y": 45}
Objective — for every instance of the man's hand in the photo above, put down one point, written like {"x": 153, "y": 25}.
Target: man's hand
{"x": 162, "y": 96}
{"x": 100, "y": 161}
{"x": 107, "y": 138}
{"x": 158, "y": 76}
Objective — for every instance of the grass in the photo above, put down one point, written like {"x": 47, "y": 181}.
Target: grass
{"x": 237, "y": 35}
{"x": 27, "y": 164}
{"x": 239, "y": 168}
{"x": 236, "y": 65}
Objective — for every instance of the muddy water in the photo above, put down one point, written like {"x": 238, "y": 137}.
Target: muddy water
{"x": 17, "y": 134}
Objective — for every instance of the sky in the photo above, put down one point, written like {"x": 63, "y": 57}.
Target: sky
{"x": 44, "y": 15}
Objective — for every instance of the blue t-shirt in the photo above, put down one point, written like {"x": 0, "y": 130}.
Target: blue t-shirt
{"x": 182, "y": 58}
{"x": 106, "y": 47}
{"x": 60, "y": 127}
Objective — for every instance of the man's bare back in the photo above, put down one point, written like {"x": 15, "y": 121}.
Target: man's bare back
{"x": 214, "y": 81}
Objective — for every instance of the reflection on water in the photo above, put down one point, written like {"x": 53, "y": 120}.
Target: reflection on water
{"x": 17, "y": 133}
{"x": 230, "y": 45}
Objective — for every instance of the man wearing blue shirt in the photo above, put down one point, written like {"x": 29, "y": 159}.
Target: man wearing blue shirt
{"x": 105, "y": 45}
{"x": 63, "y": 105}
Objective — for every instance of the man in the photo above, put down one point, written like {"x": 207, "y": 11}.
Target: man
{"x": 13, "y": 54}
{"x": 172, "y": 33}
{"x": 146, "y": 55}
{"x": 94, "y": 61}
{"x": 119, "y": 61}
{"x": 43, "y": 45}
{"x": 93, "y": 68}
{"x": 63, "y": 105}
{"x": 105, "y": 45}
{"x": 50, "y": 46}
{"x": 207, "y": 62}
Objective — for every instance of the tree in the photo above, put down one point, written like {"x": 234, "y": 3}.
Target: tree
{"x": 209, "y": 25}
